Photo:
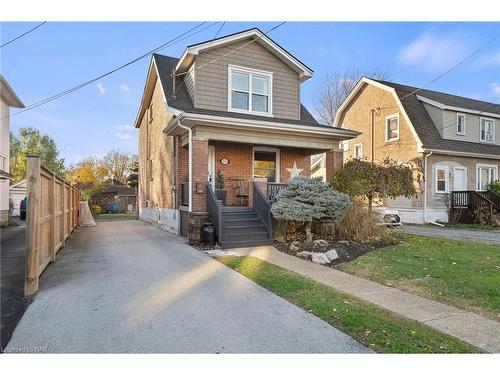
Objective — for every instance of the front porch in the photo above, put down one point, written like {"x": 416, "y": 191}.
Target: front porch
{"x": 254, "y": 159}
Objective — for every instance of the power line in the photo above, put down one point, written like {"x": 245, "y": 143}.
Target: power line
{"x": 23, "y": 34}
{"x": 185, "y": 35}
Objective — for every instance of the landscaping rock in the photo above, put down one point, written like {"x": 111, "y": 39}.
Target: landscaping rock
{"x": 344, "y": 242}
{"x": 320, "y": 242}
{"x": 295, "y": 246}
{"x": 304, "y": 254}
{"x": 332, "y": 255}
{"x": 319, "y": 258}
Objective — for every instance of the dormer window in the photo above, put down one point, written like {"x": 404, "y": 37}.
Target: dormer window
{"x": 250, "y": 91}
{"x": 487, "y": 130}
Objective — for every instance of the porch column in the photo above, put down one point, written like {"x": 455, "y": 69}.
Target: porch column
{"x": 333, "y": 163}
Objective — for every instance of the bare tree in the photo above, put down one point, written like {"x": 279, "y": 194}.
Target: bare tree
{"x": 118, "y": 164}
{"x": 334, "y": 89}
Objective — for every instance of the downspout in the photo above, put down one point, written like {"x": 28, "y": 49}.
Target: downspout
{"x": 425, "y": 193}
{"x": 190, "y": 163}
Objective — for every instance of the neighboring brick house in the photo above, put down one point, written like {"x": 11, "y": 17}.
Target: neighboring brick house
{"x": 233, "y": 107}
{"x": 8, "y": 99}
{"x": 453, "y": 137}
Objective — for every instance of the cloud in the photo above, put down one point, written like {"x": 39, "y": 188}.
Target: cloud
{"x": 124, "y": 132}
{"x": 492, "y": 59}
{"x": 100, "y": 87}
{"x": 495, "y": 87}
{"x": 124, "y": 87}
{"x": 435, "y": 52}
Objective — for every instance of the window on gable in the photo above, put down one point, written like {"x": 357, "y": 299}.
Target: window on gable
{"x": 487, "y": 130}
{"x": 442, "y": 179}
{"x": 392, "y": 128}
{"x": 250, "y": 91}
{"x": 460, "y": 124}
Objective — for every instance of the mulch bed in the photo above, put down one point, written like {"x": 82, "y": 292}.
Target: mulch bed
{"x": 346, "y": 250}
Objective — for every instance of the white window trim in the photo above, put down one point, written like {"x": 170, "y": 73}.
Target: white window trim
{"x": 480, "y": 165}
{"x": 395, "y": 115}
{"x": 466, "y": 178}
{"x": 344, "y": 145}
{"x": 481, "y": 124}
{"x": 362, "y": 150}
{"x": 2, "y": 158}
{"x": 446, "y": 179}
{"x": 456, "y": 128}
{"x": 278, "y": 164}
{"x": 239, "y": 69}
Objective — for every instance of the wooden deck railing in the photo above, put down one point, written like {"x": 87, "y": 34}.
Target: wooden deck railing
{"x": 471, "y": 201}
{"x": 263, "y": 208}
{"x": 215, "y": 211}
{"x": 273, "y": 188}
{"x": 52, "y": 214}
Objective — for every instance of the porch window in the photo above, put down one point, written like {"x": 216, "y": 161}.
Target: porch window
{"x": 485, "y": 175}
{"x": 442, "y": 179}
{"x": 265, "y": 165}
{"x": 358, "y": 151}
{"x": 392, "y": 128}
{"x": 250, "y": 91}
{"x": 487, "y": 130}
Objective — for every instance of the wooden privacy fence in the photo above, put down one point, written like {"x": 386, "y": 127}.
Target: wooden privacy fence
{"x": 52, "y": 214}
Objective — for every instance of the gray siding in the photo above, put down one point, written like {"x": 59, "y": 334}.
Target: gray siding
{"x": 189, "y": 81}
{"x": 211, "y": 91}
{"x": 436, "y": 116}
{"x": 472, "y": 126}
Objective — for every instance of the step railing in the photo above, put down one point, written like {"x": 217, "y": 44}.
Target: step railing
{"x": 273, "y": 188}
{"x": 472, "y": 201}
{"x": 215, "y": 212}
{"x": 263, "y": 208}
{"x": 493, "y": 197}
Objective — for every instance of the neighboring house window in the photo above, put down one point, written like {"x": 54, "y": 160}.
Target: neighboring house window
{"x": 358, "y": 151}
{"x": 442, "y": 179}
{"x": 344, "y": 145}
{"x": 250, "y": 91}
{"x": 392, "y": 128}
{"x": 3, "y": 163}
{"x": 487, "y": 130}
{"x": 460, "y": 124}
{"x": 485, "y": 175}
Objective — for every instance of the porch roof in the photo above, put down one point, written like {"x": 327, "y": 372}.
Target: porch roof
{"x": 265, "y": 132}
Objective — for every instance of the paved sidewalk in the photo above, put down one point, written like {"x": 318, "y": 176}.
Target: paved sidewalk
{"x": 485, "y": 236}
{"x": 129, "y": 287}
{"x": 467, "y": 326}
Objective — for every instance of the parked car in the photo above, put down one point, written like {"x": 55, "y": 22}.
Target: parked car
{"x": 22, "y": 209}
{"x": 387, "y": 216}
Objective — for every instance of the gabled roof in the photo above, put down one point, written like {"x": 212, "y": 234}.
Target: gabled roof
{"x": 187, "y": 57}
{"x": 181, "y": 102}
{"x": 8, "y": 94}
{"x": 420, "y": 122}
{"x": 19, "y": 185}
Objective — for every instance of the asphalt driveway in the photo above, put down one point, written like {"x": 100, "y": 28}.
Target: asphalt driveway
{"x": 127, "y": 286}
{"x": 483, "y": 236}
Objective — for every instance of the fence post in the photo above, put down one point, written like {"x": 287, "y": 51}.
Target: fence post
{"x": 32, "y": 224}
{"x": 63, "y": 216}
{"x": 53, "y": 241}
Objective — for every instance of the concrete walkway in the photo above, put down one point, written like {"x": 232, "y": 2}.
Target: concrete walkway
{"x": 475, "y": 329}
{"x": 484, "y": 236}
{"x": 129, "y": 287}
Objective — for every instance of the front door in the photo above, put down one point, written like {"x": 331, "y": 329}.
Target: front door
{"x": 211, "y": 166}
{"x": 459, "y": 179}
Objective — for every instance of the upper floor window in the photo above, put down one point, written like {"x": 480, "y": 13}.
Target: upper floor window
{"x": 392, "y": 128}
{"x": 250, "y": 91}
{"x": 460, "y": 124}
{"x": 487, "y": 130}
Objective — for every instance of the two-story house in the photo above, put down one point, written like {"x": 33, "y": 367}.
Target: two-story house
{"x": 229, "y": 105}
{"x": 456, "y": 139}
{"x": 8, "y": 99}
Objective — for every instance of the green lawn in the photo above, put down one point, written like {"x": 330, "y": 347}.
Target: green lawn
{"x": 461, "y": 273}
{"x": 479, "y": 227}
{"x": 112, "y": 217}
{"x": 377, "y": 328}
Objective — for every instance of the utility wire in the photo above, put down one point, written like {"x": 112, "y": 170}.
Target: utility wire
{"x": 23, "y": 34}
{"x": 178, "y": 38}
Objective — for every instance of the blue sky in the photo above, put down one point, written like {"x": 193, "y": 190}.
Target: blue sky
{"x": 98, "y": 118}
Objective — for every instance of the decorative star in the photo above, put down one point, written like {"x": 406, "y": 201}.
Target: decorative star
{"x": 294, "y": 172}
